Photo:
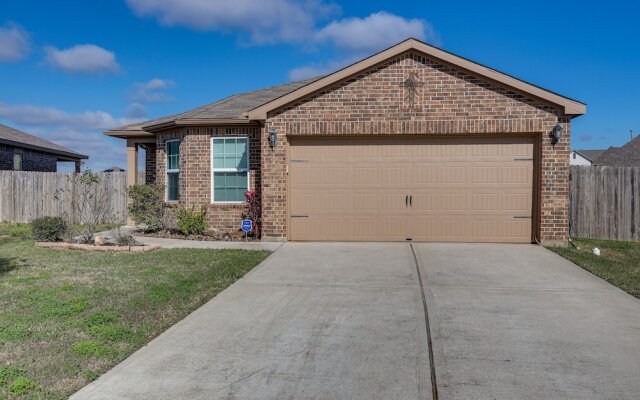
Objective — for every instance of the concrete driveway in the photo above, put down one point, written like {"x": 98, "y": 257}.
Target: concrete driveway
{"x": 338, "y": 321}
{"x": 315, "y": 321}
{"x": 520, "y": 322}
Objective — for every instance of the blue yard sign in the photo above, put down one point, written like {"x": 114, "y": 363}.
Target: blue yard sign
{"x": 247, "y": 225}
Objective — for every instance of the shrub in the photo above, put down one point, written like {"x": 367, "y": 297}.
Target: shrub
{"x": 252, "y": 210}
{"x": 191, "y": 222}
{"x": 48, "y": 229}
{"x": 147, "y": 206}
{"x": 126, "y": 240}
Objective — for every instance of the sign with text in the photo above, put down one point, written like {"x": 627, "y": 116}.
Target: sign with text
{"x": 247, "y": 225}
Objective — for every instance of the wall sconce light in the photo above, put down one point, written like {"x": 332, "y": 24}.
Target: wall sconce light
{"x": 273, "y": 137}
{"x": 556, "y": 134}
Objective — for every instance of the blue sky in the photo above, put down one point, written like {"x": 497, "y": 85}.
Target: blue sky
{"x": 71, "y": 69}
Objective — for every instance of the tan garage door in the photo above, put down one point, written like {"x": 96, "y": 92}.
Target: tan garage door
{"x": 419, "y": 188}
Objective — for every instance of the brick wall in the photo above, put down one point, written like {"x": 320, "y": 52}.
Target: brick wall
{"x": 6, "y": 158}
{"x": 150, "y": 164}
{"x": 31, "y": 160}
{"x": 195, "y": 170}
{"x": 447, "y": 101}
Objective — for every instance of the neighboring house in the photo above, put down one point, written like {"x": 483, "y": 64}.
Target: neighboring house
{"x": 21, "y": 151}
{"x": 585, "y": 157}
{"x": 624, "y": 156}
{"x": 412, "y": 143}
{"x": 114, "y": 169}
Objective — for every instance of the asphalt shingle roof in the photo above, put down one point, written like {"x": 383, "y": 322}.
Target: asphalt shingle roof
{"x": 592, "y": 155}
{"x": 625, "y": 156}
{"x": 18, "y": 138}
{"x": 232, "y": 107}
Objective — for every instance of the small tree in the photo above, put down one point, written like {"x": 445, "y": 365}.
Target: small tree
{"x": 92, "y": 204}
{"x": 147, "y": 206}
{"x": 252, "y": 211}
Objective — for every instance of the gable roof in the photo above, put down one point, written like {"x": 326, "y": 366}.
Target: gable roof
{"x": 249, "y": 107}
{"x": 228, "y": 110}
{"x": 570, "y": 107}
{"x": 16, "y": 138}
{"x": 591, "y": 155}
{"x": 625, "y": 156}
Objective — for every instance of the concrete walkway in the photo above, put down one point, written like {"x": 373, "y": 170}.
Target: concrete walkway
{"x": 315, "y": 321}
{"x": 204, "y": 244}
{"x": 520, "y": 322}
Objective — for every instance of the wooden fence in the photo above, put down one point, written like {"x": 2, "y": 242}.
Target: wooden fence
{"x": 605, "y": 202}
{"x": 25, "y": 196}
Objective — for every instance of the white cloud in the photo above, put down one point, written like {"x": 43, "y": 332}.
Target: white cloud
{"x": 263, "y": 21}
{"x": 136, "y": 110}
{"x": 360, "y": 37}
{"x": 83, "y": 58}
{"x": 103, "y": 152}
{"x": 14, "y": 43}
{"x": 27, "y": 114}
{"x": 81, "y": 132}
{"x": 374, "y": 32}
{"x": 151, "y": 92}
{"x": 312, "y": 71}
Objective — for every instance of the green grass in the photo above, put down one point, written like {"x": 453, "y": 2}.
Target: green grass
{"x": 23, "y": 231}
{"x": 68, "y": 316}
{"x": 618, "y": 263}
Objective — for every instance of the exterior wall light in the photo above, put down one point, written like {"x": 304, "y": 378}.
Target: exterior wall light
{"x": 556, "y": 134}
{"x": 273, "y": 137}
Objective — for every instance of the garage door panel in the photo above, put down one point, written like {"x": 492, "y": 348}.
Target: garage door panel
{"x": 461, "y": 189}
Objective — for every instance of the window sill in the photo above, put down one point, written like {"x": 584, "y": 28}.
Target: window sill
{"x": 228, "y": 204}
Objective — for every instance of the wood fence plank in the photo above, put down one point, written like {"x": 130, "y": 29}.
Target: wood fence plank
{"x": 605, "y": 202}
{"x": 26, "y": 195}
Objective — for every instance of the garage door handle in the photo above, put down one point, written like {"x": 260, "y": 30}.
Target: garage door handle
{"x": 406, "y": 201}
{"x": 411, "y": 200}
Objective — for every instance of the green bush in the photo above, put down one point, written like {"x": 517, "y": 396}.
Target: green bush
{"x": 48, "y": 229}
{"x": 191, "y": 222}
{"x": 147, "y": 206}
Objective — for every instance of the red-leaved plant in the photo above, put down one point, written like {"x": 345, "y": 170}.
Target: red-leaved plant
{"x": 252, "y": 210}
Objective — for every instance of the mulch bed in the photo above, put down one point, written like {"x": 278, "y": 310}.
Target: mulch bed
{"x": 212, "y": 237}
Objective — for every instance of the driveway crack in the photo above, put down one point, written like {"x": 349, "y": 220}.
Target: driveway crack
{"x": 432, "y": 365}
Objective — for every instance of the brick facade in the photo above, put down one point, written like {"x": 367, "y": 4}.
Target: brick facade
{"x": 150, "y": 163}
{"x": 195, "y": 170}
{"x": 31, "y": 160}
{"x": 447, "y": 101}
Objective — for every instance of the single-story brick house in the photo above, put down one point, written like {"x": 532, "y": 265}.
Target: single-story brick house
{"x": 20, "y": 151}
{"x": 412, "y": 143}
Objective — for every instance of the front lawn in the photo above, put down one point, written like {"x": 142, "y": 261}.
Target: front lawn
{"x": 618, "y": 263}
{"x": 67, "y": 316}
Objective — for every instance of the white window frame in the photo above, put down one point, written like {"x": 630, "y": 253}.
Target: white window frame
{"x": 170, "y": 171}
{"x": 214, "y": 170}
